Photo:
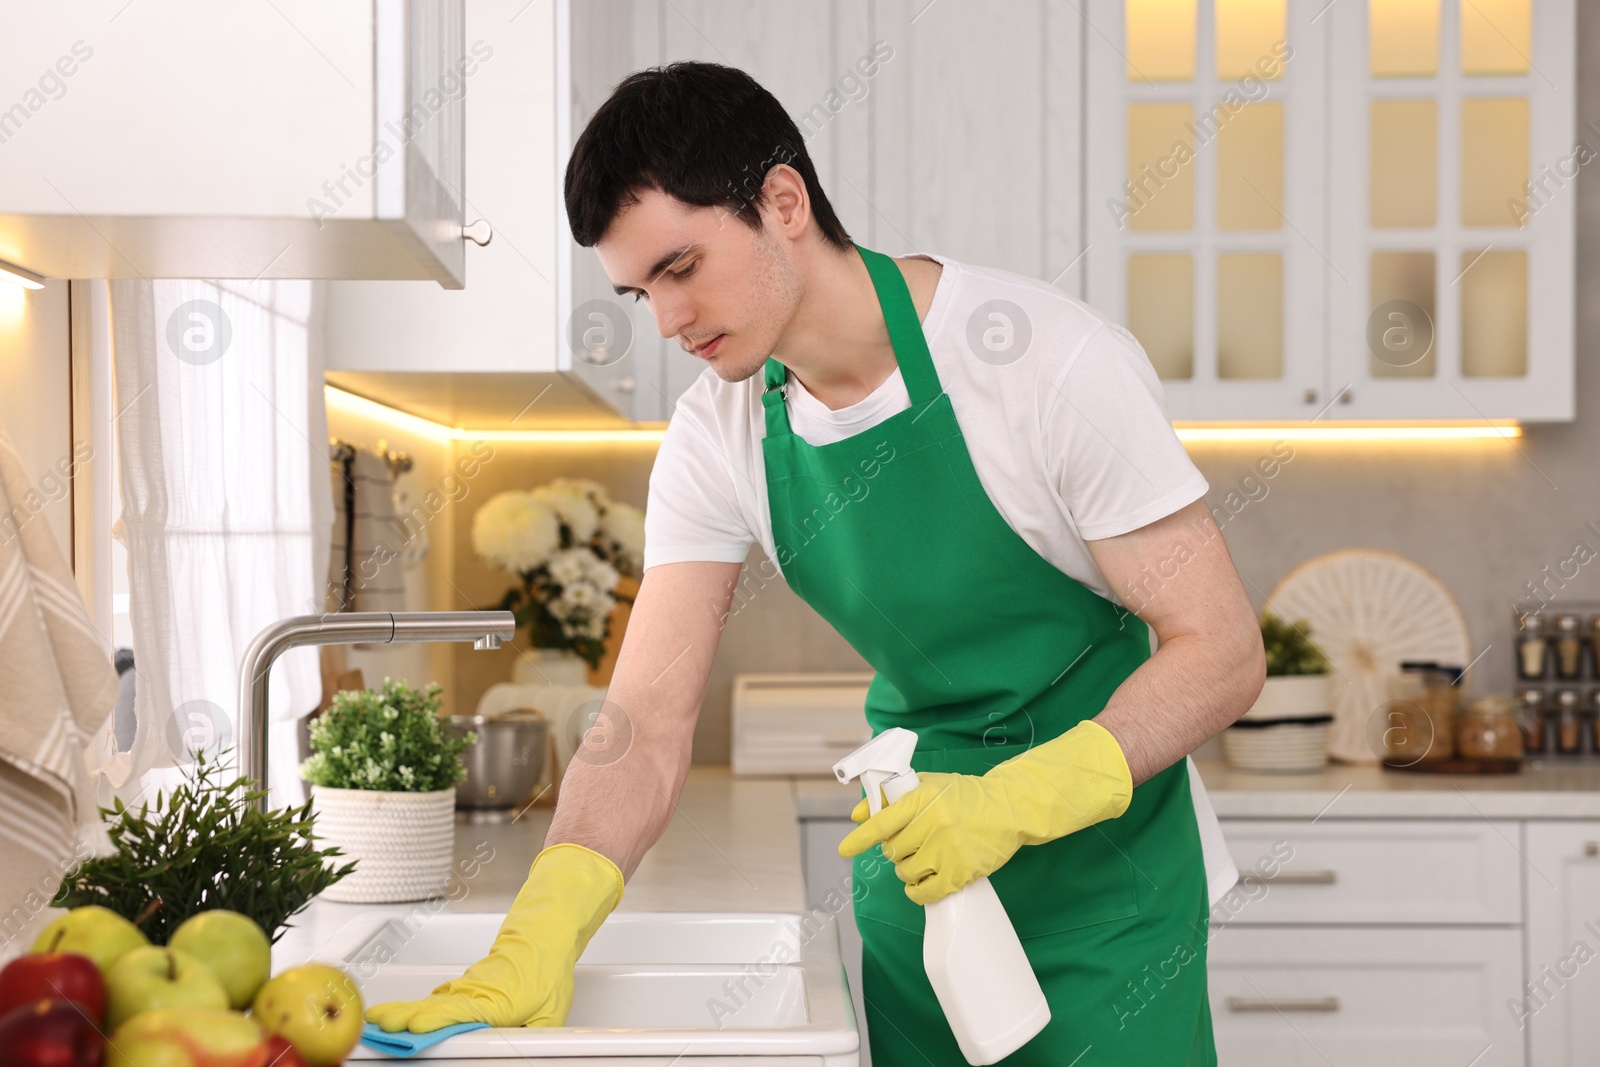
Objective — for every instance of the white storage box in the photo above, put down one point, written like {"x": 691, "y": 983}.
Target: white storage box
{"x": 797, "y": 724}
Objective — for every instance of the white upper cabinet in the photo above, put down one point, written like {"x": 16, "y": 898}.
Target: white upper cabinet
{"x": 536, "y": 303}
{"x": 505, "y": 319}
{"x": 190, "y": 139}
{"x": 1311, "y": 210}
{"x": 1451, "y": 288}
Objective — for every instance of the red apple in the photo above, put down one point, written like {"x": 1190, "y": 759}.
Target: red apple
{"x": 280, "y": 1053}
{"x": 67, "y": 975}
{"x": 50, "y": 1033}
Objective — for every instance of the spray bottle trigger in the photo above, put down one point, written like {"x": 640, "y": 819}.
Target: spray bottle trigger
{"x": 872, "y": 782}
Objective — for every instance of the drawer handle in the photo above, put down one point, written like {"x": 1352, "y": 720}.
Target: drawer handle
{"x": 1300, "y": 878}
{"x": 1309, "y": 1004}
{"x": 1591, "y": 848}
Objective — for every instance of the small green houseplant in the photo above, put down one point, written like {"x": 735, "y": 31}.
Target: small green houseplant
{"x": 1289, "y": 647}
{"x": 383, "y": 772}
{"x": 205, "y": 845}
{"x": 1287, "y": 727}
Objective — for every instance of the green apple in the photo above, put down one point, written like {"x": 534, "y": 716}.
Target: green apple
{"x": 317, "y": 1007}
{"x": 149, "y": 978}
{"x": 186, "y": 1037}
{"x": 93, "y": 931}
{"x": 233, "y": 946}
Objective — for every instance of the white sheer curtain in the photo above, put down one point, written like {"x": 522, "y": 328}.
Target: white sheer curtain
{"x": 227, "y": 509}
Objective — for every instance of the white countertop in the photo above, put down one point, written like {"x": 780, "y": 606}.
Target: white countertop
{"x": 732, "y": 845}
{"x": 1545, "y": 789}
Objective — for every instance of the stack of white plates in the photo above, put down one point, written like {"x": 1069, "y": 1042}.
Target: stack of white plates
{"x": 1287, "y": 729}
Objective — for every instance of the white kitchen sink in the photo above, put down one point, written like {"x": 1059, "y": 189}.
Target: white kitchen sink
{"x": 736, "y": 986}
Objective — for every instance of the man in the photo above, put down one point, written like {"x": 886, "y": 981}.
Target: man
{"x": 955, "y": 467}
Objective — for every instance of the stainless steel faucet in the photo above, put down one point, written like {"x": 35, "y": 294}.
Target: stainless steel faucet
{"x": 485, "y": 629}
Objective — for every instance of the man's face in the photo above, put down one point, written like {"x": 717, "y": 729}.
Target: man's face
{"x": 723, "y": 291}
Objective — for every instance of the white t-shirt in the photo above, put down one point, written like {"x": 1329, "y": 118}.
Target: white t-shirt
{"x": 1069, "y": 436}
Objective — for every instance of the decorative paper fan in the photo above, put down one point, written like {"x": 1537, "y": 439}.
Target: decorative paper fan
{"x": 1368, "y": 611}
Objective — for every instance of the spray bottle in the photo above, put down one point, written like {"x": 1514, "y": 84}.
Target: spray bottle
{"x": 975, "y": 962}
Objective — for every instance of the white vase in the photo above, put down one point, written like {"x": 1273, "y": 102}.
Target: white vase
{"x": 403, "y": 843}
{"x": 549, "y": 666}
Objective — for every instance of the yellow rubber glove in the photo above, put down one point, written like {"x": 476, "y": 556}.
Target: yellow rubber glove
{"x": 956, "y": 828}
{"x": 526, "y": 979}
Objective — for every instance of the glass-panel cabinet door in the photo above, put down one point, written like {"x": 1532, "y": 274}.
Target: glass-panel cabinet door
{"x": 1453, "y": 163}
{"x": 1206, "y": 199}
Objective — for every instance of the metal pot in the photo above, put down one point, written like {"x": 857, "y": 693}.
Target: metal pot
{"x": 507, "y": 761}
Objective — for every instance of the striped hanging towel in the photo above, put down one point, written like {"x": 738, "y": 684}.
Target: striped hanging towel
{"x": 57, "y": 688}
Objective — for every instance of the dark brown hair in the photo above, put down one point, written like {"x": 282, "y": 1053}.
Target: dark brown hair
{"x": 702, "y": 133}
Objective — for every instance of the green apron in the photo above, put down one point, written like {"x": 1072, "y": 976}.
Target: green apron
{"x": 983, "y": 648}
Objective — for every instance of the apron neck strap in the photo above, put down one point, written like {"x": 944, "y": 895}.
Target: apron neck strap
{"x": 905, "y": 335}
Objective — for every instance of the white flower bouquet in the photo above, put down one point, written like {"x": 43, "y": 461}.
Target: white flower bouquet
{"x": 568, "y": 542}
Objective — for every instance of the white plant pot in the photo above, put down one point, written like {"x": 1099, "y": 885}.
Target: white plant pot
{"x": 1293, "y": 696}
{"x": 403, "y": 843}
{"x": 550, "y": 666}
{"x": 1286, "y": 729}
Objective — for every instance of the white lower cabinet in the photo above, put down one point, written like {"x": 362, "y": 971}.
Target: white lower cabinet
{"x": 1374, "y": 996}
{"x": 1560, "y": 1005}
{"x": 1378, "y": 942}
{"x": 1370, "y": 941}
{"x": 1398, "y": 871}
{"x": 827, "y": 873}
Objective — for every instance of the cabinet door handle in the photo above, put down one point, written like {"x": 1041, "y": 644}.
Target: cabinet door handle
{"x": 1591, "y": 848}
{"x": 1305, "y": 1004}
{"x": 478, "y": 232}
{"x": 1300, "y": 878}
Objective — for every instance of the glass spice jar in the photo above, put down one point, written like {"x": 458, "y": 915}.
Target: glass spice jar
{"x": 1421, "y": 714}
{"x": 1533, "y": 651}
{"x": 1531, "y": 716}
{"x": 1487, "y": 728}
{"x": 1569, "y": 646}
{"x": 1568, "y": 716}
{"x": 1591, "y": 724}
{"x": 1407, "y": 736}
{"x": 1594, "y": 646}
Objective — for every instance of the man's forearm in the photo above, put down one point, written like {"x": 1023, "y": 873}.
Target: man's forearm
{"x": 1184, "y": 694}
{"x": 621, "y": 787}
{"x": 621, "y": 808}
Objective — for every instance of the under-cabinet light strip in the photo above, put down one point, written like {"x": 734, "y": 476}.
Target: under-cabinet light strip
{"x": 1304, "y": 432}
{"x": 10, "y": 272}
{"x": 358, "y": 405}
{"x": 404, "y": 420}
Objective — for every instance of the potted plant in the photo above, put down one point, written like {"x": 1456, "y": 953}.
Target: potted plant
{"x": 202, "y": 846}
{"x": 568, "y": 543}
{"x": 383, "y": 771}
{"x": 1287, "y": 727}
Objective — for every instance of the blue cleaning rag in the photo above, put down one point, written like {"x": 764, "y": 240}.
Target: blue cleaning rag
{"x": 405, "y": 1043}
